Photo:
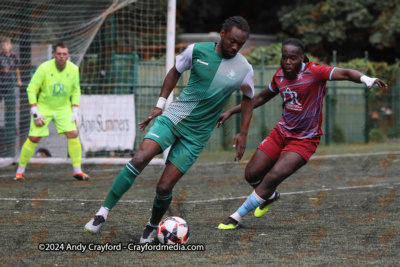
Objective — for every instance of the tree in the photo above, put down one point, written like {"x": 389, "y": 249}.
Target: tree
{"x": 202, "y": 16}
{"x": 348, "y": 26}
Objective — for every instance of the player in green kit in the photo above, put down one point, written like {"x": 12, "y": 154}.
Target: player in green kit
{"x": 54, "y": 94}
{"x": 217, "y": 70}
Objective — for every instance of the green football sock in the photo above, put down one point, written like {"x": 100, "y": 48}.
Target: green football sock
{"x": 75, "y": 151}
{"x": 121, "y": 184}
{"x": 27, "y": 152}
{"x": 160, "y": 207}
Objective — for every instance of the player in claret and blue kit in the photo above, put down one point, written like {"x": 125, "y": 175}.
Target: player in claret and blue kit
{"x": 302, "y": 86}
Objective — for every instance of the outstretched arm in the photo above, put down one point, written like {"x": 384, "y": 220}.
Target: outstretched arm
{"x": 259, "y": 99}
{"x": 357, "y": 77}
{"x": 170, "y": 82}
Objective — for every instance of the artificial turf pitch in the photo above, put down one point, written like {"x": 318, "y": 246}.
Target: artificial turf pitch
{"x": 334, "y": 211}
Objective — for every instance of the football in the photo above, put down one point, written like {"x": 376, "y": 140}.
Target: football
{"x": 173, "y": 230}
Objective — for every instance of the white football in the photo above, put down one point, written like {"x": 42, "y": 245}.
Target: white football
{"x": 173, "y": 230}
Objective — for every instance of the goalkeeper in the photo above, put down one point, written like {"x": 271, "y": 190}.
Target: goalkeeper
{"x": 54, "y": 94}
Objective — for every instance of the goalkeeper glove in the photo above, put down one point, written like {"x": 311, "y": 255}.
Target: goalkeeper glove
{"x": 367, "y": 80}
{"x": 75, "y": 116}
{"x": 38, "y": 118}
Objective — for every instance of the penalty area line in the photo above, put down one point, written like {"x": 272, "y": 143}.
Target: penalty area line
{"x": 200, "y": 201}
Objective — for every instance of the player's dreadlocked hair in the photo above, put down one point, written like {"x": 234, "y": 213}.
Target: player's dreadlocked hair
{"x": 297, "y": 43}
{"x": 238, "y": 22}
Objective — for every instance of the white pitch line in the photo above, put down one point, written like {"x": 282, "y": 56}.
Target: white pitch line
{"x": 246, "y": 161}
{"x": 198, "y": 201}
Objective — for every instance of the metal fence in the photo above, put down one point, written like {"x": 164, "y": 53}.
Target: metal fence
{"x": 352, "y": 113}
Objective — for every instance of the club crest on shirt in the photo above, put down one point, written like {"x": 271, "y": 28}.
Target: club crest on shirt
{"x": 290, "y": 100}
{"x": 231, "y": 75}
{"x": 58, "y": 89}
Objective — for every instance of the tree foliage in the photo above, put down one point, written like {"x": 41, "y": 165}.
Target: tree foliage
{"x": 350, "y": 27}
{"x": 271, "y": 55}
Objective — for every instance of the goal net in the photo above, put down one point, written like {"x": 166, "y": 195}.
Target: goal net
{"x": 120, "y": 49}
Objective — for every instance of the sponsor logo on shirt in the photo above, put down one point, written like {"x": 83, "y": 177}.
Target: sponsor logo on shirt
{"x": 154, "y": 135}
{"x": 231, "y": 75}
{"x": 58, "y": 89}
{"x": 290, "y": 100}
{"x": 299, "y": 75}
{"x": 263, "y": 141}
{"x": 202, "y": 62}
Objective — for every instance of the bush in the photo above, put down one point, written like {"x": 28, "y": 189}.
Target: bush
{"x": 394, "y": 131}
{"x": 377, "y": 136}
{"x": 270, "y": 55}
{"x": 338, "y": 135}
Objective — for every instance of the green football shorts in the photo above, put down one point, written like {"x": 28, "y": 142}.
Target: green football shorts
{"x": 184, "y": 150}
{"x": 61, "y": 118}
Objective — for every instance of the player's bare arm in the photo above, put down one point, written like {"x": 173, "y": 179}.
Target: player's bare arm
{"x": 240, "y": 138}
{"x": 357, "y": 77}
{"x": 259, "y": 99}
{"x": 170, "y": 82}
{"x": 18, "y": 74}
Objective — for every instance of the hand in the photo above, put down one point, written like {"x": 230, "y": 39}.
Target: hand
{"x": 38, "y": 118}
{"x": 381, "y": 84}
{"x": 156, "y": 112}
{"x": 222, "y": 118}
{"x": 75, "y": 116}
{"x": 371, "y": 81}
{"x": 240, "y": 144}
{"x": 19, "y": 83}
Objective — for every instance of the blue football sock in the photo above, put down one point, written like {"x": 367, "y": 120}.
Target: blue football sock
{"x": 249, "y": 205}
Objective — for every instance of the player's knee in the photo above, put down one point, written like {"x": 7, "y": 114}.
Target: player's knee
{"x": 34, "y": 139}
{"x": 72, "y": 134}
{"x": 164, "y": 188}
{"x": 251, "y": 176}
{"x": 273, "y": 179}
{"x": 140, "y": 161}
{"x": 248, "y": 175}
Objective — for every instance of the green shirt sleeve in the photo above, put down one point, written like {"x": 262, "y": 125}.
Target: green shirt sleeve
{"x": 34, "y": 85}
{"x": 76, "y": 90}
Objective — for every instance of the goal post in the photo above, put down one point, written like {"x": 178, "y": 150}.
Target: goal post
{"x": 171, "y": 20}
{"x": 121, "y": 48}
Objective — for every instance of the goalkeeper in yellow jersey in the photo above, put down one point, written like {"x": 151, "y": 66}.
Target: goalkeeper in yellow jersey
{"x": 54, "y": 94}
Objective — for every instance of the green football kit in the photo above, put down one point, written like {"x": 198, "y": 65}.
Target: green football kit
{"x": 54, "y": 92}
{"x": 188, "y": 122}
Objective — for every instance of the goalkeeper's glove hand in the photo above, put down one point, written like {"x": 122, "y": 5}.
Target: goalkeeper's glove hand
{"x": 75, "y": 116}
{"x": 368, "y": 80}
{"x": 38, "y": 118}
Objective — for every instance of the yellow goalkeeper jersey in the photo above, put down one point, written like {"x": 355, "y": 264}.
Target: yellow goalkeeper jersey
{"x": 54, "y": 89}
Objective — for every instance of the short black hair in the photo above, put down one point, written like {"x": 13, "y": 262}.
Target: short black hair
{"x": 238, "y": 22}
{"x": 297, "y": 43}
{"x": 62, "y": 45}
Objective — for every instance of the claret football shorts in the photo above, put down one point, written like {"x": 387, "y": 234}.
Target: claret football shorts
{"x": 276, "y": 144}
